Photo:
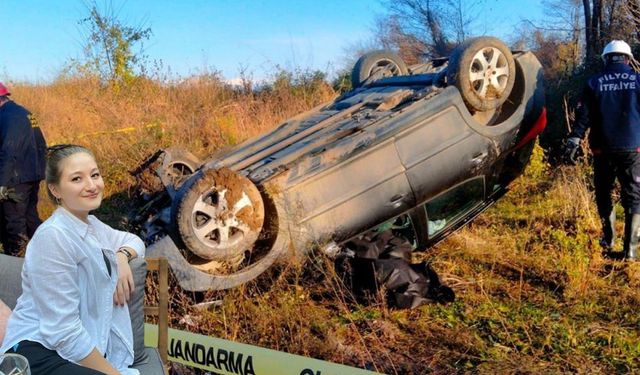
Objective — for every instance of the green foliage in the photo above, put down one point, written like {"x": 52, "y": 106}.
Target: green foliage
{"x": 342, "y": 83}
{"x": 298, "y": 82}
{"x": 305, "y": 85}
{"x": 110, "y": 44}
{"x": 537, "y": 166}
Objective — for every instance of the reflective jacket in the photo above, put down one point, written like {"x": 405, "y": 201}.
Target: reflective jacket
{"x": 22, "y": 146}
{"x": 610, "y": 106}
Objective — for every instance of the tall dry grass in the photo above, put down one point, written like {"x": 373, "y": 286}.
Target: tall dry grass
{"x": 534, "y": 294}
{"x": 125, "y": 125}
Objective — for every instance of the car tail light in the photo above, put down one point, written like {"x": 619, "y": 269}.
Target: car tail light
{"x": 536, "y": 129}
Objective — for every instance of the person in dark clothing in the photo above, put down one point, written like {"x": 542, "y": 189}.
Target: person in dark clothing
{"x": 610, "y": 107}
{"x": 22, "y": 162}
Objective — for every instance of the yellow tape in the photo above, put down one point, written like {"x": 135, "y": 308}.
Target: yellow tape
{"x": 228, "y": 357}
{"x": 107, "y": 132}
{"x": 121, "y": 130}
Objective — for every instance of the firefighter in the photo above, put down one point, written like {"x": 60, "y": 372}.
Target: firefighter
{"x": 610, "y": 107}
{"x": 22, "y": 161}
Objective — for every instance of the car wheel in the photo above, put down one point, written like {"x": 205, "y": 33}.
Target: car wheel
{"x": 177, "y": 166}
{"x": 219, "y": 216}
{"x": 483, "y": 69}
{"x": 375, "y": 65}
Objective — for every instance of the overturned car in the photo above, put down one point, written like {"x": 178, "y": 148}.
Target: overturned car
{"x": 429, "y": 146}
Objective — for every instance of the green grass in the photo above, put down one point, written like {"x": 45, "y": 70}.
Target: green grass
{"x": 533, "y": 295}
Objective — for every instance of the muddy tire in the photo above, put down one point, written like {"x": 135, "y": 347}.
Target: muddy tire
{"x": 253, "y": 242}
{"x": 375, "y": 65}
{"x": 483, "y": 70}
{"x": 219, "y": 215}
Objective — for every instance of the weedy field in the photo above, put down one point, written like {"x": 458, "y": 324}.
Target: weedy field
{"x": 533, "y": 292}
{"x": 533, "y": 295}
{"x": 124, "y": 125}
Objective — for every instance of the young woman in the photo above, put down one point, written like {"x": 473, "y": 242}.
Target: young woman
{"x": 72, "y": 316}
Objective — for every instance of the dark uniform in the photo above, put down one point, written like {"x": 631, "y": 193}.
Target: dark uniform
{"x": 22, "y": 164}
{"x": 611, "y": 108}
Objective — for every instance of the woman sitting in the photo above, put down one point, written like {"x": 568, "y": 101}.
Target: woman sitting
{"x": 72, "y": 316}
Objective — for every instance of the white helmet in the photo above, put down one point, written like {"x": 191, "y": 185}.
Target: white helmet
{"x": 617, "y": 46}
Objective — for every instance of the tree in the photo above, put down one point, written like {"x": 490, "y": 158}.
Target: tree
{"x": 605, "y": 20}
{"x": 391, "y": 36}
{"x": 110, "y": 44}
{"x": 433, "y": 26}
{"x": 633, "y": 7}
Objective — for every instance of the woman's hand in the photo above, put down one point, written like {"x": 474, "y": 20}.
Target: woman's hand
{"x": 125, "y": 286}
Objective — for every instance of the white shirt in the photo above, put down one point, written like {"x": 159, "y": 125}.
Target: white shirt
{"x": 67, "y": 294}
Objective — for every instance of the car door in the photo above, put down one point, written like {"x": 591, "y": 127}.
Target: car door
{"x": 432, "y": 221}
{"x": 454, "y": 206}
{"x": 353, "y": 196}
{"x": 441, "y": 151}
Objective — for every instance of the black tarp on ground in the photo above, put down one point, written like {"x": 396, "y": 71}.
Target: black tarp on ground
{"x": 383, "y": 259}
